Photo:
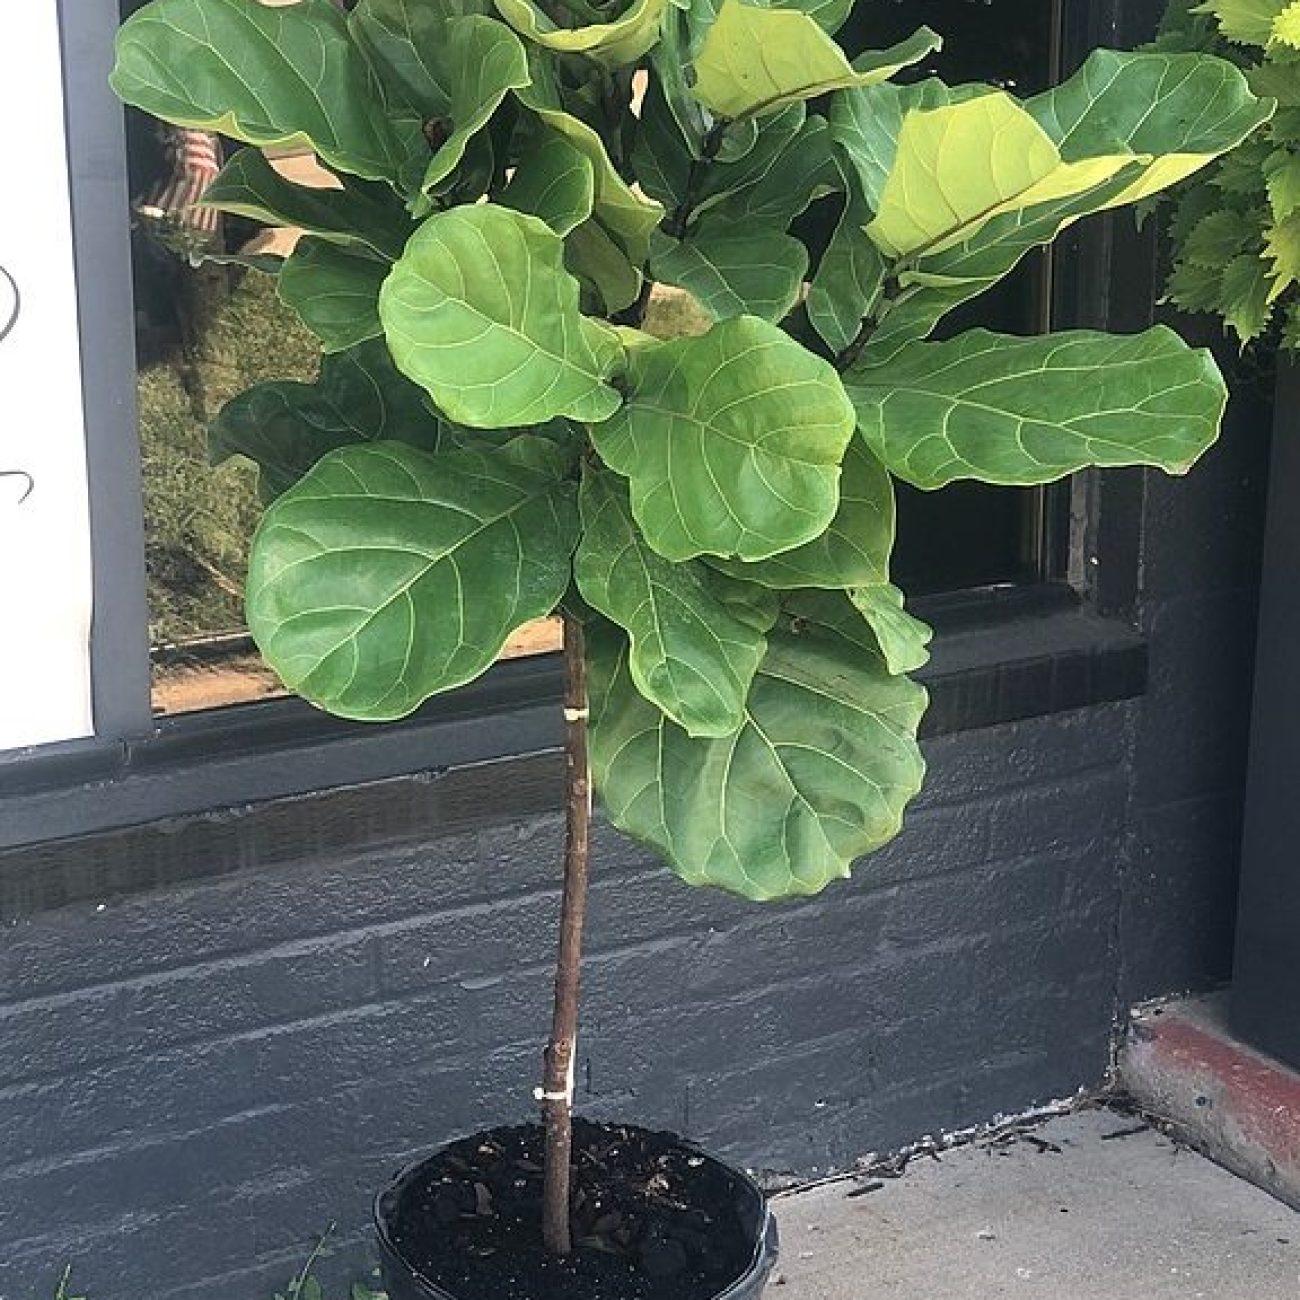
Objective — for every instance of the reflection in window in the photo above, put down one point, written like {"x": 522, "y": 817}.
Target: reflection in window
{"x": 207, "y": 329}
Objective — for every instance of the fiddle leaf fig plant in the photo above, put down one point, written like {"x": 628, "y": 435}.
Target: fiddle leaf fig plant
{"x": 497, "y": 433}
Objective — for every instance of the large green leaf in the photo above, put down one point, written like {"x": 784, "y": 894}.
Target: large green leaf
{"x": 266, "y": 75}
{"x": 388, "y": 574}
{"x": 732, "y": 442}
{"x": 285, "y": 427}
{"x": 1030, "y": 410}
{"x": 554, "y": 180}
{"x": 621, "y": 40}
{"x": 335, "y": 292}
{"x": 755, "y": 60}
{"x": 481, "y": 311}
{"x": 854, "y": 551}
{"x": 818, "y": 774}
{"x": 735, "y": 268}
{"x": 452, "y": 73}
{"x": 696, "y": 636}
{"x": 357, "y": 213}
{"x": 1173, "y": 112}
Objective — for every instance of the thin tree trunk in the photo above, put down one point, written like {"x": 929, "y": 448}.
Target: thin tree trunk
{"x": 557, "y": 1085}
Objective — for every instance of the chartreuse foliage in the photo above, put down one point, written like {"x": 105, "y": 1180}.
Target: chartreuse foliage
{"x": 1235, "y": 228}
{"x": 492, "y": 434}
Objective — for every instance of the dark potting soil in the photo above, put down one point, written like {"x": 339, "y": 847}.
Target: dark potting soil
{"x": 652, "y": 1220}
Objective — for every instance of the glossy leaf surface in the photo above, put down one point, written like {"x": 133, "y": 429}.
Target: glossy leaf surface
{"x": 696, "y": 636}
{"x": 387, "y": 575}
{"x": 1021, "y": 411}
{"x": 818, "y": 774}
{"x": 480, "y": 310}
{"x": 732, "y": 442}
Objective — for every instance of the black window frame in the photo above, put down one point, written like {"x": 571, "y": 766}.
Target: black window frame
{"x": 1001, "y": 653}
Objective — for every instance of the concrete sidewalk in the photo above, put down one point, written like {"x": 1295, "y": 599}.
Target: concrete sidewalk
{"x": 1082, "y": 1209}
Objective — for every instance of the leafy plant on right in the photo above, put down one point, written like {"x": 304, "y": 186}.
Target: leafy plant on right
{"x": 1235, "y": 227}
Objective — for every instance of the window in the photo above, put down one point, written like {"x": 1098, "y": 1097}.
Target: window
{"x": 202, "y": 334}
{"x": 205, "y": 332}
{"x": 972, "y": 535}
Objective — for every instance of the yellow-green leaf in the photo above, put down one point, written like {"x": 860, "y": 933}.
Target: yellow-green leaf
{"x": 1249, "y": 22}
{"x": 1282, "y": 248}
{"x": 755, "y": 61}
{"x": 1244, "y": 296}
{"x": 1282, "y": 175}
{"x": 1286, "y": 26}
{"x": 960, "y": 165}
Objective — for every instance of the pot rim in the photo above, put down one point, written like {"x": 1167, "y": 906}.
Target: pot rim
{"x": 763, "y": 1256}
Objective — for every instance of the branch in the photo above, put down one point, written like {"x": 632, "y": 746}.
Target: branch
{"x": 845, "y": 359}
{"x": 556, "y": 1093}
{"x": 890, "y": 296}
{"x": 712, "y": 143}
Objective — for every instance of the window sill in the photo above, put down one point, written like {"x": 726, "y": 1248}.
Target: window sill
{"x": 999, "y": 657}
{"x": 1007, "y": 656}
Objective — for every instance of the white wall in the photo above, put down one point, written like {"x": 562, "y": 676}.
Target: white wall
{"x": 45, "y": 565}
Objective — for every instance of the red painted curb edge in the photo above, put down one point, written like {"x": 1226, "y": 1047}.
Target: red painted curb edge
{"x": 1236, "y": 1105}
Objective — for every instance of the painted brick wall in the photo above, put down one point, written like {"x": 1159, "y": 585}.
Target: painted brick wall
{"x": 194, "y": 1081}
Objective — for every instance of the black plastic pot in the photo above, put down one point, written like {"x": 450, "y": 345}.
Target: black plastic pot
{"x": 404, "y": 1282}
